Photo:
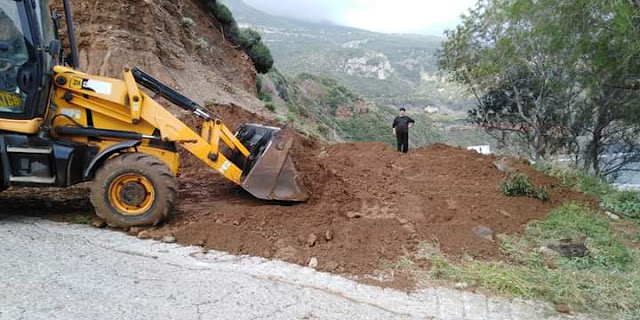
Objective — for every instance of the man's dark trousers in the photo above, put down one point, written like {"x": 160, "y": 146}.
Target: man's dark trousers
{"x": 403, "y": 141}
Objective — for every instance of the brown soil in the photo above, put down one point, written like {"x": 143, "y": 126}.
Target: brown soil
{"x": 369, "y": 205}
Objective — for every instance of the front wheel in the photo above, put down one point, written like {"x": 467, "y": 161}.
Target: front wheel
{"x": 133, "y": 189}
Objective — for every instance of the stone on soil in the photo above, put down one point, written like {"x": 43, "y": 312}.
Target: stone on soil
{"x": 144, "y": 234}
{"x": 169, "y": 239}
{"x": 313, "y": 262}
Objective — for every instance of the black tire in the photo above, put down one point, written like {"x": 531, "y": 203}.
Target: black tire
{"x": 156, "y": 175}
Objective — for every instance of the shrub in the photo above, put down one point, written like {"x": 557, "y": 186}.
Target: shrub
{"x": 265, "y": 96}
{"x": 248, "y": 38}
{"x": 518, "y": 185}
{"x": 202, "y": 44}
{"x": 261, "y": 57}
{"x": 187, "y": 22}
{"x": 270, "y": 106}
{"x": 223, "y": 14}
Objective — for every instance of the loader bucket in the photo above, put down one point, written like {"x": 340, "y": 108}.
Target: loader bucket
{"x": 269, "y": 172}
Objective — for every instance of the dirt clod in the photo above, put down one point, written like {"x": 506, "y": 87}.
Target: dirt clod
{"x": 144, "y": 234}
{"x": 134, "y": 231}
{"x": 312, "y": 239}
{"x": 98, "y": 223}
{"x": 563, "y": 308}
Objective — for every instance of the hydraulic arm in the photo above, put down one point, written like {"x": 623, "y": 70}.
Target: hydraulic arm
{"x": 116, "y": 110}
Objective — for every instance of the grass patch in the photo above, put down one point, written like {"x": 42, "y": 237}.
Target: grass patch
{"x": 624, "y": 203}
{"x": 79, "y": 219}
{"x": 518, "y": 185}
{"x": 605, "y": 283}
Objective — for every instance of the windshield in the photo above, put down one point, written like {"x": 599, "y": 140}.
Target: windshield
{"x": 15, "y": 45}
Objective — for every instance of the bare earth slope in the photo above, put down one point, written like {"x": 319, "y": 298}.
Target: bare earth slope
{"x": 194, "y": 59}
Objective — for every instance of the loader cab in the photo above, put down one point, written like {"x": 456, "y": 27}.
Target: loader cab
{"x": 28, "y": 50}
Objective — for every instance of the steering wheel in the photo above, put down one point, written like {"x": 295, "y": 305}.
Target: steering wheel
{"x": 5, "y": 64}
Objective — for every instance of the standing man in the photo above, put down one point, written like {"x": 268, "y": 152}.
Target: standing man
{"x": 401, "y": 125}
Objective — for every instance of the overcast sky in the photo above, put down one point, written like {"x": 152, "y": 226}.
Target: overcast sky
{"x": 416, "y": 16}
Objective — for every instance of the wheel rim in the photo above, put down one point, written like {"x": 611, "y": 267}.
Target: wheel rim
{"x": 131, "y": 194}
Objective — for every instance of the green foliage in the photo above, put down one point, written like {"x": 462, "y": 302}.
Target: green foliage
{"x": 270, "y": 106}
{"x": 249, "y": 40}
{"x": 187, "y": 22}
{"x": 518, "y": 185}
{"x": 624, "y": 203}
{"x": 605, "y": 282}
{"x": 202, "y": 43}
{"x": 561, "y": 76}
{"x": 223, "y": 14}
{"x": 261, "y": 57}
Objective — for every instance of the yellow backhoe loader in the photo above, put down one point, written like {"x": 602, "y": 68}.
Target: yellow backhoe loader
{"x": 60, "y": 127}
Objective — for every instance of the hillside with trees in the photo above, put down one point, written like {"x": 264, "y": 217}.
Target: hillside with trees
{"x": 554, "y": 78}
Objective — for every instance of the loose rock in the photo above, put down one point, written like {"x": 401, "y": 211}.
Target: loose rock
{"x": 612, "y": 215}
{"x": 134, "y": 231}
{"x": 461, "y": 285}
{"x": 200, "y": 243}
{"x": 484, "y": 232}
{"x": 312, "y": 239}
{"x": 313, "y": 262}
{"x": 354, "y": 215}
{"x": 331, "y": 265}
{"x": 98, "y": 223}
{"x": 169, "y": 239}
{"x": 548, "y": 253}
{"x": 571, "y": 250}
{"x": 144, "y": 234}
{"x": 503, "y": 165}
{"x": 328, "y": 235}
{"x": 563, "y": 308}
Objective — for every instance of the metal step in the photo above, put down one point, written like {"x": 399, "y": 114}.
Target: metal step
{"x": 36, "y": 180}
{"x": 30, "y": 150}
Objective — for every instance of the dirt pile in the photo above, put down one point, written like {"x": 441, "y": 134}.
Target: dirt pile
{"x": 176, "y": 41}
{"x": 369, "y": 205}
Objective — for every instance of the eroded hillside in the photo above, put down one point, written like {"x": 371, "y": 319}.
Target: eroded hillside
{"x": 178, "y": 41}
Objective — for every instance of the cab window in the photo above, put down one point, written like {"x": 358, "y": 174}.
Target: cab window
{"x": 15, "y": 52}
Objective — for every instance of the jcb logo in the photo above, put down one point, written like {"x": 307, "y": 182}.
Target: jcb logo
{"x": 76, "y": 83}
{"x": 10, "y": 100}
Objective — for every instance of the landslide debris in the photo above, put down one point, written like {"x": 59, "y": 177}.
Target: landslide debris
{"x": 369, "y": 205}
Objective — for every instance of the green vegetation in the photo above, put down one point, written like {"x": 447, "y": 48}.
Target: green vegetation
{"x": 554, "y": 77}
{"x": 187, "y": 22}
{"x": 248, "y": 40}
{"x": 606, "y": 282}
{"x": 202, "y": 43}
{"x": 518, "y": 185}
{"x": 324, "y": 50}
{"x": 624, "y": 203}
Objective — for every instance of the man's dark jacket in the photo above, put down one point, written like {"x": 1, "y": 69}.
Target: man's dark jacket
{"x": 401, "y": 124}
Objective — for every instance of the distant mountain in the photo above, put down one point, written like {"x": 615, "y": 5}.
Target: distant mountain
{"x": 390, "y": 69}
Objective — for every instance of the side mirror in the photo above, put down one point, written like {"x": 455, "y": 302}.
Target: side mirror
{"x": 54, "y": 48}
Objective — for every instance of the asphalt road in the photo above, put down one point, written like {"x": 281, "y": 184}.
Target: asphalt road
{"x": 54, "y": 270}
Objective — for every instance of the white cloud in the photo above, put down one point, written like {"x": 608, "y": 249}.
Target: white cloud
{"x": 378, "y": 15}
